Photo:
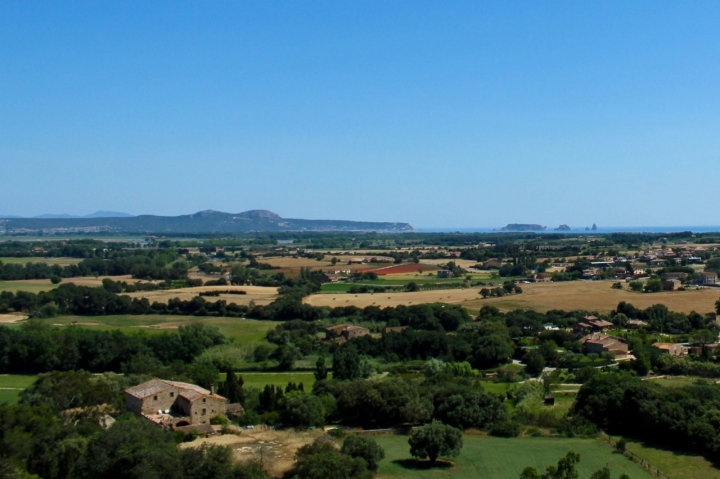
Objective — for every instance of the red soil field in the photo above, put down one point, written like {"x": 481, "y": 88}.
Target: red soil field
{"x": 406, "y": 268}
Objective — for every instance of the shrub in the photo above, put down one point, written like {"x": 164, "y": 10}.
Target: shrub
{"x": 506, "y": 429}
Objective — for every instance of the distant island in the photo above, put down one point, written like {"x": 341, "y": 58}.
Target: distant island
{"x": 199, "y": 223}
{"x": 563, "y": 228}
{"x": 523, "y": 227}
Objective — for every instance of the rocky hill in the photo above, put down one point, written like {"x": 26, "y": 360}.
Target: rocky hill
{"x": 203, "y": 222}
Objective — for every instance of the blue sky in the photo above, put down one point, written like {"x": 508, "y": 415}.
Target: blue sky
{"x": 441, "y": 114}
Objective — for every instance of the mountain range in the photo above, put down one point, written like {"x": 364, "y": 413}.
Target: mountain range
{"x": 97, "y": 214}
{"x": 202, "y": 222}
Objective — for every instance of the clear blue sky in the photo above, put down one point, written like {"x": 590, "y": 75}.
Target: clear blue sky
{"x": 441, "y": 114}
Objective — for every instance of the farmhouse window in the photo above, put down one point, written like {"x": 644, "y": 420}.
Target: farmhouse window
{"x": 172, "y": 394}
{"x": 204, "y": 411}
{"x": 154, "y": 398}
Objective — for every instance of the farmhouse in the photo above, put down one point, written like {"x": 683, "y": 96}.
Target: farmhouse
{"x": 173, "y": 403}
{"x": 707, "y": 277}
{"x": 591, "y": 324}
{"x": 492, "y": 264}
{"x": 346, "y": 331}
{"x": 543, "y": 277}
{"x": 444, "y": 274}
{"x": 673, "y": 349}
{"x": 599, "y": 343}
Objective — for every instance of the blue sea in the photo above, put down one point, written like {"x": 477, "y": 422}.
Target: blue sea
{"x": 575, "y": 231}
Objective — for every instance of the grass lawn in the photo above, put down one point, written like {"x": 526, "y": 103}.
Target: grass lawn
{"x": 259, "y": 380}
{"x": 11, "y": 385}
{"x": 674, "y": 382}
{"x": 243, "y": 330}
{"x": 485, "y": 456}
{"x": 674, "y": 464}
{"x": 15, "y": 286}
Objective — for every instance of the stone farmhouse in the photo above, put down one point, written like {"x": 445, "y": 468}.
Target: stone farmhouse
{"x": 346, "y": 331}
{"x": 174, "y": 404}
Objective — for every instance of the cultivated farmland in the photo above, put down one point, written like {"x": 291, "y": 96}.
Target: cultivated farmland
{"x": 585, "y": 295}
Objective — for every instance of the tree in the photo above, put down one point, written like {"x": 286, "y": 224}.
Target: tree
{"x": 322, "y": 460}
{"x": 320, "y": 369}
{"x": 435, "y": 440}
{"x": 303, "y": 410}
{"x": 654, "y": 286}
{"x": 365, "y": 448}
{"x": 484, "y": 292}
{"x": 412, "y": 287}
{"x": 717, "y": 307}
{"x": 535, "y": 362}
{"x": 565, "y": 469}
{"x": 346, "y": 364}
{"x": 234, "y": 387}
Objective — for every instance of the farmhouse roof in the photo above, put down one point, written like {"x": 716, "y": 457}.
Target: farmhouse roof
{"x": 154, "y": 386}
{"x": 664, "y": 346}
{"x": 339, "y": 327}
{"x": 708, "y": 273}
{"x": 149, "y": 388}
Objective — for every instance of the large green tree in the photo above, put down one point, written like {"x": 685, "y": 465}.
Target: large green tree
{"x": 435, "y": 440}
{"x": 365, "y": 448}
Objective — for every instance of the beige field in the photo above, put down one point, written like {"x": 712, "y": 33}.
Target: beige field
{"x": 289, "y": 262}
{"x": 276, "y": 449}
{"x": 463, "y": 263}
{"x": 261, "y": 295}
{"x": 12, "y": 318}
{"x": 590, "y": 296}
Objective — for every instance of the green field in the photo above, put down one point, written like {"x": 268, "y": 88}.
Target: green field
{"x": 34, "y": 259}
{"x": 485, "y": 456}
{"x": 259, "y": 380}
{"x": 242, "y": 330}
{"x": 675, "y": 465}
{"x": 15, "y": 286}
{"x": 11, "y": 385}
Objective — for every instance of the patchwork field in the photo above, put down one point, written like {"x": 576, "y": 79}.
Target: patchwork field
{"x": 241, "y": 330}
{"x": 37, "y": 285}
{"x": 50, "y": 261}
{"x": 485, "y": 456}
{"x": 259, "y": 294}
{"x": 586, "y": 295}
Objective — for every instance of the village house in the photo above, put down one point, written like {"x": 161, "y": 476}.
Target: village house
{"x": 599, "y": 343}
{"x": 346, "y": 331}
{"x": 444, "y": 274}
{"x": 591, "y": 324}
{"x": 492, "y": 264}
{"x": 543, "y": 277}
{"x": 173, "y": 403}
{"x": 673, "y": 349}
{"x": 707, "y": 277}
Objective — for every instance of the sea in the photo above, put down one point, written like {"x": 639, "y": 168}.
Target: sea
{"x": 576, "y": 231}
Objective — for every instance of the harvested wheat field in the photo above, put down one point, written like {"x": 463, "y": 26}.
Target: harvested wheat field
{"x": 585, "y": 295}
{"x": 80, "y": 281}
{"x": 261, "y": 295}
{"x": 12, "y": 318}
{"x": 276, "y": 449}
{"x": 289, "y": 262}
